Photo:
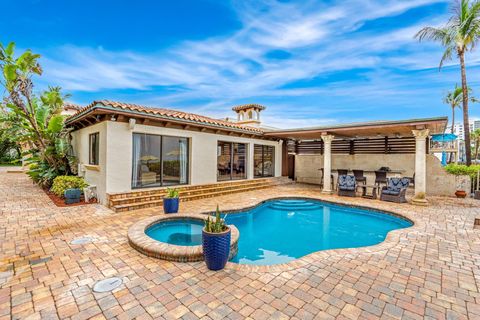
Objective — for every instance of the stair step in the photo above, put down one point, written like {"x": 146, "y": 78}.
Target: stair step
{"x": 294, "y": 207}
{"x": 185, "y": 193}
{"x": 188, "y": 188}
{"x": 154, "y": 203}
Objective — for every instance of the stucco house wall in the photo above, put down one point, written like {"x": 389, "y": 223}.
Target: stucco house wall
{"x": 115, "y": 168}
{"x": 439, "y": 182}
{"x": 94, "y": 175}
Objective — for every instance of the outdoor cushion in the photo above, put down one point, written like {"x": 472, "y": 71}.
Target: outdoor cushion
{"x": 397, "y": 184}
{"x": 391, "y": 192}
{"x": 346, "y": 182}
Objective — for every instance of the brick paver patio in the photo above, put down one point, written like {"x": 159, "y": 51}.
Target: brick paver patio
{"x": 431, "y": 270}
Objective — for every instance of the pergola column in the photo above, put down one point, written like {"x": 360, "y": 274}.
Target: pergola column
{"x": 420, "y": 166}
{"x": 327, "y": 162}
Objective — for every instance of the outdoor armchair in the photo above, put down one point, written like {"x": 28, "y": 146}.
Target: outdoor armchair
{"x": 395, "y": 190}
{"x": 346, "y": 185}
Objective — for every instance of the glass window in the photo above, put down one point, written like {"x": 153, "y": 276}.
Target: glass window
{"x": 159, "y": 160}
{"x": 231, "y": 161}
{"x": 175, "y": 160}
{"x": 94, "y": 144}
{"x": 263, "y": 161}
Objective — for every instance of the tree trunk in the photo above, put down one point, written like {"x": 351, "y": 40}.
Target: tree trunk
{"x": 476, "y": 151}
{"x": 453, "y": 118}
{"x": 466, "y": 127}
{"x": 453, "y": 127}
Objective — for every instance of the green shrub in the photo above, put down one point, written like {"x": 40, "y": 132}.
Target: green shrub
{"x": 461, "y": 169}
{"x": 62, "y": 183}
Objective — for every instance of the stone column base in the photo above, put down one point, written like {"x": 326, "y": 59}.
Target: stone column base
{"x": 420, "y": 202}
{"x": 327, "y": 192}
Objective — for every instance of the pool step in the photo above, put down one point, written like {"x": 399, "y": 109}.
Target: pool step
{"x": 295, "y": 206}
{"x": 152, "y": 198}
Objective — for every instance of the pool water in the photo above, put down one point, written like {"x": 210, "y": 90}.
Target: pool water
{"x": 180, "y": 232}
{"x": 280, "y": 231}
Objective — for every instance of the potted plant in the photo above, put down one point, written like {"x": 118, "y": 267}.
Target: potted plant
{"x": 170, "y": 201}
{"x": 72, "y": 195}
{"x": 216, "y": 242}
{"x": 460, "y": 193}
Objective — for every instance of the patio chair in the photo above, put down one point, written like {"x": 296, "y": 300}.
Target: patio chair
{"x": 412, "y": 180}
{"x": 359, "y": 177}
{"x": 346, "y": 185}
{"x": 331, "y": 179}
{"x": 381, "y": 177}
{"x": 395, "y": 190}
{"x": 342, "y": 172}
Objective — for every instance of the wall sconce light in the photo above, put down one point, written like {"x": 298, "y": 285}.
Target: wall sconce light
{"x": 131, "y": 123}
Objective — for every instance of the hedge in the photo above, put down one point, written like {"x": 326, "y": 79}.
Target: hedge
{"x": 461, "y": 169}
{"x": 62, "y": 183}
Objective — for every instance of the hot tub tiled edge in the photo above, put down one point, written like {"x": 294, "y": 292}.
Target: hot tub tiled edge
{"x": 160, "y": 250}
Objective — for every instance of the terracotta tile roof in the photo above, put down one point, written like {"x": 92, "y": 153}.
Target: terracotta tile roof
{"x": 247, "y": 106}
{"x": 163, "y": 113}
{"x": 71, "y": 106}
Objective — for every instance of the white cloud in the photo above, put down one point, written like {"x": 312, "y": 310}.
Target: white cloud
{"x": 321, "y": 39}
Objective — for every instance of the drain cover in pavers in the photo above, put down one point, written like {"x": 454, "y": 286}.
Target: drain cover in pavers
{"x": 40, "y": 260}
{"x": 82, "y": 240}
{"x": 108, "y": 284}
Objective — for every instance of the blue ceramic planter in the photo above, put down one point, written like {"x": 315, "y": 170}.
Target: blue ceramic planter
{"x": 72, "y": 196}
{"x": 216, "y": 249}
{"x": 170, "y": 205}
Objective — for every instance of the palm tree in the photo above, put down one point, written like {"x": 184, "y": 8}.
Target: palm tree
{"x": 459, "y": 35}
{"x": 476, "y": 140}
{"x": 453, "y": 99}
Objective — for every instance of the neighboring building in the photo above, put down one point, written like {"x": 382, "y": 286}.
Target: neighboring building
{"x": 458, "y": 128}
{"x": 70, "y": 109}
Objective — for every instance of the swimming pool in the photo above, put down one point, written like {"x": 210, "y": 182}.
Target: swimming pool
{"x": 279, "y": 231}
{"x": 182, "y": 232}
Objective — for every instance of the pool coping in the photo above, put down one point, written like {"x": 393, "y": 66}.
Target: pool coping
{"x": 140, "y": 241}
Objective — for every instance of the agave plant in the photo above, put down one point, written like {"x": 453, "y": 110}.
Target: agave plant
{"x": 216, "y": 224}
{"x": 34, "y": 121}
{"x": 172, "y": 193}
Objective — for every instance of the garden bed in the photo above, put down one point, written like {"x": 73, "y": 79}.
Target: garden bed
{"x": 60, "y": 202}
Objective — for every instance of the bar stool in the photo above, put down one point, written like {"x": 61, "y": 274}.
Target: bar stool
{"x": 359, "y": 177}
{"x": 381, "y": 177}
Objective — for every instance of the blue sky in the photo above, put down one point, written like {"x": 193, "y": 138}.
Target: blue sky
{"x": 309, "y": 62}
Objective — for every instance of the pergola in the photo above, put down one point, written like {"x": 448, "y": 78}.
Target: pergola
{"x": 404, "y": 136}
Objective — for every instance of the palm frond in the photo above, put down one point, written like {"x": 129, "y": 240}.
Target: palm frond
{"x": 433, "y": 34}
{"x": 447, "y": 55}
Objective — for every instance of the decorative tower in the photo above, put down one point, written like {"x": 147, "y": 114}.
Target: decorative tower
{"x": 249, "y": 114}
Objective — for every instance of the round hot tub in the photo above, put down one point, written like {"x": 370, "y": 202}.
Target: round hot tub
{"x": 173, "y": 237}
{"x": 187, "y": 232}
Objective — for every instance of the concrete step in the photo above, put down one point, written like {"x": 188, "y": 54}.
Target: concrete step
{"x": 186, "y": 192}
{"x": 211, "y": 194}
{"x": 154, "y": 191}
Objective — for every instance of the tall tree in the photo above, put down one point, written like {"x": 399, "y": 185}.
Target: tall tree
{"x": 476, "y": 142}
{"x": 458, "y": 36}
{"x": 35, "y": 121}
{"x": 454, "y": 99}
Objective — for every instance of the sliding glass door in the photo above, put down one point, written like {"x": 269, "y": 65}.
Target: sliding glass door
{"x": 263, "y": 161}
{"x": 159, "y": 160}
{"x": 231, "y": 161}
